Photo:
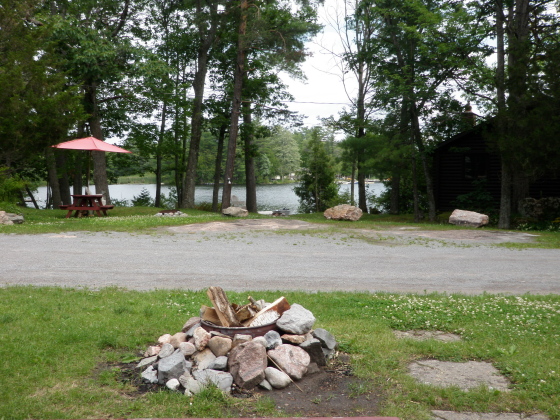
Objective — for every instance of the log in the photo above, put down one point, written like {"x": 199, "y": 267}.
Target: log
{"x": 222, "y": 306}
{"x": 210, "y": 315}
{"x": 269, "y": 314}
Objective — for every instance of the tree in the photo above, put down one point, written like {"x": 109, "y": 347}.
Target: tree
{"x": 317, "y": 189}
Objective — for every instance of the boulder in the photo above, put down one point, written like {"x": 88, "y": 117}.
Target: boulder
{"x": 343, "y": 212}
{"x": 220, "y": 363}
{"x": 291, "y": 359}
{"x": 296, "y": 320}
{"x": 276, "y": 378}
{"x": 294, "y": 338}
{"x": 150, "y": 375}
{"x": 173, "y": 384}
{"x": 220, "y": 346}
{"x": 187, "y": 349}
{"x": 192, "y": 386}
{"x": 165, "y": 338}
{"x": 166, "y": 350}
{"x": 147, "y": 361}
{"x": 201, "y": 338}
{"x": 152, "y": 351}
{"x": 235, "y": 212}
{"x": 171, "y": 367}
{"x": 223, "y": 380}
{"x": 468, "y": 218}
{"x": 204, "y": 359}
{"x": 326, "y": 338}
{"x": 314, "y": 348}
{"x": 247, "y": 363}
{"x": 177, "y": 339}
{"x": 241, "y": 338}
{"x": 273, "y": 339}
{"x": 191, "y": 322}
{"x": 10, "y": 218}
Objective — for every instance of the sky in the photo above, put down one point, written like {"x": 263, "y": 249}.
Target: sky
{"x": 323, "y": 94}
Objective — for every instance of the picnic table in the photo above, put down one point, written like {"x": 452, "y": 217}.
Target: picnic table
{"x": 82, "y": 204}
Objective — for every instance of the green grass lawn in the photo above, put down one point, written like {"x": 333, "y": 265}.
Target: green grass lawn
{"x": 59, "y": 349}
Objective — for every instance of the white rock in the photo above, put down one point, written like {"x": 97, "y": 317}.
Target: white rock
{"x": 173, "y": 384}
{"x": 165, "y": 338}
{"x": 276, "y": 378}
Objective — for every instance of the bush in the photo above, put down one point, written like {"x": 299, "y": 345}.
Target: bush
{"x": 143, "y": 200}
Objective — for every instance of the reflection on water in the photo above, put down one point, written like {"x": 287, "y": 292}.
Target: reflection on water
{"x": 269, "y": 197}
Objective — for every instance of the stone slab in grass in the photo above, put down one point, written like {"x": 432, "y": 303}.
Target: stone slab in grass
{"x": 465, "y": 375}
{"x": 452, "y": 415}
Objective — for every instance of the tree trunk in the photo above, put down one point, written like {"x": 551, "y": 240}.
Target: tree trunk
{"x": 206, "y": 41}
{"x": 417, "y": 134}
{"x": 53, "y": 178}
{"x": 505, "y": 198}
{"x": 99, "y": 161}
{"x": 352, "y": 180}
{"x": 362, "y": 202}
{"x": 63, "y": 182}
{"x": 250, "y": 179}
{"x": 157, "y": 200}
{"x": 395, "y": 193}
{"x": 218, "y": 167}
{"x": 236, "y": 105}
{"x": 415, "y": 191}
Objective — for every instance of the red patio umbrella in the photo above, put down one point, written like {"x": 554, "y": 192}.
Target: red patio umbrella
{"x": 90, "y": 144}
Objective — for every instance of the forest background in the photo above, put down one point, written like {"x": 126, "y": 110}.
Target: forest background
{"x": 195, "y": 88}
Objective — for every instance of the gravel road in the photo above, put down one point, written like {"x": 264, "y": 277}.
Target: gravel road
{"x": 281, "y": 255}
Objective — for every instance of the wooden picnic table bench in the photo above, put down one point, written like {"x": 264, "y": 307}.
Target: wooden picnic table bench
{"x": 86, "y": 202}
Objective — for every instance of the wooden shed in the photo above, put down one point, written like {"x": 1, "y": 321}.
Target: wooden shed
{"x": 467, "y": 158}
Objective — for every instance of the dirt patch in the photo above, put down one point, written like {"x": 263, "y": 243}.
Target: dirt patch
{"x": 240, "y": 225}
{"x": 331, "y": 391}
{"x": 405, "y": 232}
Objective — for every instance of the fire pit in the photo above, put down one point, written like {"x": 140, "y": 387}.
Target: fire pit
{"x": 231, "y": 331}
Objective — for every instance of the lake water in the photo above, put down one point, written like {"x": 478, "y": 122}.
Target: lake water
{"x": 269, "y": 197}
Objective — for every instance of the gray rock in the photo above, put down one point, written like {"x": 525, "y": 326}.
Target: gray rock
{"x": 184, "y": 378}
{"x": 291, "y": 359}
{"x": 326, "y": 338}
{"x": 220, "y": 363}
{"x": 171, "y": 367}
{"x": 150, "y": 375}
{"x": 177, "y": 339}
{"x": 188, "y": 349}
{"x": 468, "y": 218}
{"x": 235, "y": 212}
{"x": 315, "y": 350}
{"x": 190, "y": 332}
{"x": 296, "y": 320}
{"x": 277, "y": 378}
{"x": 223, "y": 380}
{"x": 241, "y": 338}
{"x": 191, "y": 322}
{"x": 343, "y": 212}
{"x": 10, "y": 218}
{"x": 201, "y": 338}
{"x": 192, "y": 386}
{"x": 146, "y": 361}
{"x": 173, "y": 384}
{"x": 203, "y": 359}
{"x": 247, "y": 363}
{"x": 220, "y": 346}
{"x": 273, "y": 339}
{"x": 260, "y": 340}
{"x": 166, "y": 351}
{"x": 329, "y": 354}
{"x": 266, "y": 385}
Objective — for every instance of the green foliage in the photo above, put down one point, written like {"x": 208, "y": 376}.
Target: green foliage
{"x": 144, "y": 199}
{"x": 317, "y": 189}
{"x": 479, "y": 200}
{"x": 10, "y": 186}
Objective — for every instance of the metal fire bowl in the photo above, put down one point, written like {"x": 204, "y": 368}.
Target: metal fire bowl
{"x": 231, "y": 331}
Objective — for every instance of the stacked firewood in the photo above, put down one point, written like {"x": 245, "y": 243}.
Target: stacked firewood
{"x": 253, "y": 314}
